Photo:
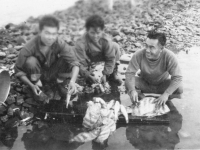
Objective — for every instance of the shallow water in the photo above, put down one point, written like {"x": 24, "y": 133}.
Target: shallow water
{"x": 181, "y": 133}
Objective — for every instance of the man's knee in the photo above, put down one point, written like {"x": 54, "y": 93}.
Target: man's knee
{"x": 31, "y": 62}
{"x": 179, "y": 90}
{"x": 117, "y": 51}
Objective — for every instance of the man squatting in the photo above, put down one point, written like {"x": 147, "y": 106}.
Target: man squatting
{"x": 46, "y": 57}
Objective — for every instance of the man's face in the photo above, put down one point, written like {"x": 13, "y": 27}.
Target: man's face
{"x": 95, "y": 34}
{"x": 153, "y": 49}
{"x": 49, "y": 35}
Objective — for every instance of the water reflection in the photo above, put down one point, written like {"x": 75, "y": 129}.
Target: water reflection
{"x": 55, "y": 133}
{"x": 145, "y": 137}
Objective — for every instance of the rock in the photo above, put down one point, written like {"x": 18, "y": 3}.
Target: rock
{"x": 4, "y": 118}
{"x": 117, "y": 38}
{"x": 2, "y": 54}
{"x": 126, "y": 57}
{"x": 2, "y": 109}
{"x": 19, "y": 100}
{"x": 10, "y": 56}
{"x": 114, "y": 32}
{"x": 10, "y": 26}
{"x": 132, "y": 39}
{"x": 20, "y": 40}
{"x": 128, "y": 31}
{"x": 18, "y": 47}
{"x": 26, "y": 105}
{"x": 2, "y": 61}
{"x": 11, "y": 50}
{"x": 12, "y": 122}
{"x": 141, "y": 32}
{"x": 138, "y": 44}
{"x": 169, "y": 16}
{"x": 31, "y": 101}
{"x": 10, "y": 100}
{"x": 10, "y": 112}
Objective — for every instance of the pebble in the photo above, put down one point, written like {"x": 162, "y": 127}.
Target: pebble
{"x": 2, "y": 54}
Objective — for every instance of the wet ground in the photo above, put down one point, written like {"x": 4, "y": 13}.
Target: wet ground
{"x": 181, "y": 133}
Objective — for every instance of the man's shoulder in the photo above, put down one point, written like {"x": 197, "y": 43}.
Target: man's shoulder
{"x": 81, "y": 42}
{"x": 106, "y": 39}
{"x": 169, "y": 54}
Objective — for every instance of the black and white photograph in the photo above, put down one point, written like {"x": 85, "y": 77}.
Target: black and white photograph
{"x": 99, "y": 74}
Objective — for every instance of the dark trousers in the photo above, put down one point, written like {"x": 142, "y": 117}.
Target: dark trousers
{"x": 145, "y": 87}
{"x": 37, "y": 71}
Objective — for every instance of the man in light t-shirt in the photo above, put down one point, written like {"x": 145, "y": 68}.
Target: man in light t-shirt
{"x": 160, "y": 71}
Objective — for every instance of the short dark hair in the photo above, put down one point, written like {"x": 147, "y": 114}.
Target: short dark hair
{"x": 156, "y": 35}
{"x": 49, "y": 21}
{"x": 94, "y": 21}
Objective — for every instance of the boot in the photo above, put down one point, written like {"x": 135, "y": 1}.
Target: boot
{"x": 114, "y": 76}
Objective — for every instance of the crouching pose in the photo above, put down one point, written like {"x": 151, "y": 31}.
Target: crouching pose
{"x": 160, "y": 71}
{"x": 95, "y": 46}
{"x": 46, "y": 58}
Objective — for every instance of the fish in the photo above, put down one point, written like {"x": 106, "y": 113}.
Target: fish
{"x": 92, "y": 115}
{"x": 101, "y": 101}
{"x": 124, "y": 112}
{"x": 67, "y": 99}
{"x": 148, "y": 107}
{"x": 116, "y": 110}
{"x": 110, "y": 104}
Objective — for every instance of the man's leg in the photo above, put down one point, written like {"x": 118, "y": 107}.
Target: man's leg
{"x": 143, "y": 86}
{"x": 59, "y": 71}
{"x": 114, "y": 76}
{"x": 164, "y": 85}
{"x": 33, "y": 69}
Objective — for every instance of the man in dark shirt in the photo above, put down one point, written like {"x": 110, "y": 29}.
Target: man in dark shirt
{"x": 96, "y": 46}
{"x": 46, "y": 57}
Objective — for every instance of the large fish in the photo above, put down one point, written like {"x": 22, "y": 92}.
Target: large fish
{"x": 116, "y": 110}
{"x": 148, "y": 107}
{"x": 124, "y": 112}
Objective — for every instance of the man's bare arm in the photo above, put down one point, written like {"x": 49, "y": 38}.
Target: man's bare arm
{"x": 34, "y": 87}
{"x": 75, "y": 71}
{"x": 130, "y": 82}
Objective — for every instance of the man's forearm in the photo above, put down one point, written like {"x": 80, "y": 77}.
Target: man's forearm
{"x": 25, "y": 80}
{"x": 75, "y": 71}
{"x": 130, "y": 82}
{"x": 174, "y": 84}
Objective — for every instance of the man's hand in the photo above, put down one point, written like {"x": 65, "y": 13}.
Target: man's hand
{"x": 103, "y": 79}
{"x": 93, "y": 79}
{"x": 162, "y": 99}
{"x": 71, "y": 87}
{"x": 134, "y": 96}
{"x": 36, "y": 90}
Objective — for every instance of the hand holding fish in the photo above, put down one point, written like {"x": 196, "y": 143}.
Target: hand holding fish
{"x": 134, "y": 96}
{"x": 162, "y": 99}
{"x": 71, "y": 87}
{"x": 35, "y": 89}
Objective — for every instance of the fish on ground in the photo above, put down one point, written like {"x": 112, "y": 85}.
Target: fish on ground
{"x": 149, "y": 108}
